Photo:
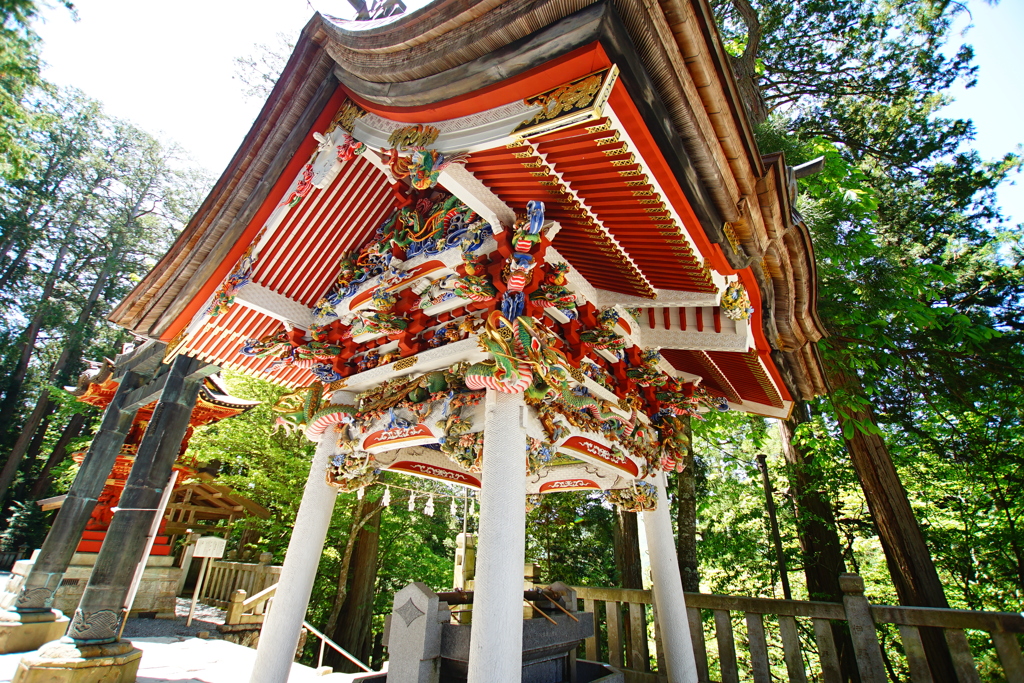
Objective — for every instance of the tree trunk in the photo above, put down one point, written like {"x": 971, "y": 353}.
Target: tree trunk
{"x": 40, "y": 435}
{"x": 10, "y": 469}
{"x": 13, "y": 268}
{"x": 820, "y": 546}
{"x": 362, "y": 511}
{"x": 57, "y": 455}
{"x": 352, "y": 630}
{"x": 70, "y": 351}
{"x": 686, "y": 515}
{"x": 910, "y": 563}
{"x": 745, "y": 66}
{"x": 73, "y": 348}
{"x": 12, "y": 393}
{"x": 627, "y": 550}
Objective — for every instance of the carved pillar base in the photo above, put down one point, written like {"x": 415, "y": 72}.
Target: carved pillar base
{"x": 27, "y": 631}
{"x": 63, "y": 662}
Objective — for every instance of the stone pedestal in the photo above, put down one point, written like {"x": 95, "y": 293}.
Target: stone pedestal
{"x": 25, "y": 631}
{"x": 156, "y": 594}
{"x": 63, "y": 662}
{"x": 414, "y": 635}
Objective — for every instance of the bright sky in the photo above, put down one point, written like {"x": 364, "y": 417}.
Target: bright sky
{"x": 168, "y": 67}
{"x": 996, "y": 103}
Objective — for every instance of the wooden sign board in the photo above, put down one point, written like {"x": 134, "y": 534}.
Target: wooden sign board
{"x": 210, "y": 546}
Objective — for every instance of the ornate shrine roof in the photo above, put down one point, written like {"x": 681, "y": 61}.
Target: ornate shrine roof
{"x": 623, "y": 118}
{"x": 213, "y": 404}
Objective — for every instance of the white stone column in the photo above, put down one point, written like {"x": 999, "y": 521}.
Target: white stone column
{"x": 280, "y": 635}
{"x": 668, "y": 591}
{"x": 496, "y": 641}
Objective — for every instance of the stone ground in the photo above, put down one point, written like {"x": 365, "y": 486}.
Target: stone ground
{"x": 172, "y": 659}
{"x": 171, "y": 652}
{"x": 205, "y": 618}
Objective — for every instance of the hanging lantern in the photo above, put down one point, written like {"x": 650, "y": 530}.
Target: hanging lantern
{"x": 428, "y": 510}
{"x": 359, "y": 492}
{"x": 412, "y": 501}
{"x": 386, "y": 500}
{"x": 452, "y": 510}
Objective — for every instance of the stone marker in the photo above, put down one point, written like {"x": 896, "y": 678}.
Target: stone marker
{"x": 414, "y": 639}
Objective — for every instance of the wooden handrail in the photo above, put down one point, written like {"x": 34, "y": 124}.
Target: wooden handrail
{"x": 993, "y": 622}
{"x": 625, "y": 645}
{"x": 262, "y": 595}
{"x": 238, "y": 608}
{"x": 341, "y": 650}
{"x": 226, "y": 577}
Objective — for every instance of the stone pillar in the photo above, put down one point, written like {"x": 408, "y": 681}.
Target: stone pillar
{"x": 280, "y": 635}
{"x": 28, "y": 621}
{"x": 668, "y": 591}
{"x": 101, "y": 611}
{"x": 496, "y": 641}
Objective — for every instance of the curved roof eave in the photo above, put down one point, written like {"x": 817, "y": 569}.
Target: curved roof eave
{"x": 675, "y": 42}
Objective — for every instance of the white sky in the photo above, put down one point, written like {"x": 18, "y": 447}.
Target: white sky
{"x": 168, "y": 67}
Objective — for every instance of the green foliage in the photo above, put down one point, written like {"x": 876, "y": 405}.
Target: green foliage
{"x": 920, "y": 287}
{"x": 86, "y": 219}
{"x": 26, "y": 527}
{"x": 19, "y": 75}
{"x": 734, "y": 544}
{"x": 570, "y": 535}
{"x": 259, "y": 461}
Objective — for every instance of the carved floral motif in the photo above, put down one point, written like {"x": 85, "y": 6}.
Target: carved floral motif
{"x": 736, "y": 302}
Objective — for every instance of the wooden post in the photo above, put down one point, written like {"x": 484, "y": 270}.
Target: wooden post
{"x": 235, "y": 608}
{"x": 780, "y": 557}
{"x": 59, "y": 547}
{"x": 862, "y": 630}
{"x": 101, "y": 610}
{"x": 913, "y": 573}
{"x": 195, "y": 592}
{"x": 674, "y": 627}
{"x": 283, "y": 624}
{"x": 140, "y": 568}
{"x": 496, "y": 641}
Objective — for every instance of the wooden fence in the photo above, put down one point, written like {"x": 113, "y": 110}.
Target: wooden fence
{"x": 9, "y": 557}
{"x": 224, "y": 578}
{"x": 243, "y": 610}
{"x": 807, "y": 650}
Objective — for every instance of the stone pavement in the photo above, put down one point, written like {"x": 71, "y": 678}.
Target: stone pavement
{"x": 171, "y": 653}
{"x": 194, "y": 660}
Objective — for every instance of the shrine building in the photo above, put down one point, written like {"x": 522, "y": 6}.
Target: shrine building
{"x": 506, "y": 245}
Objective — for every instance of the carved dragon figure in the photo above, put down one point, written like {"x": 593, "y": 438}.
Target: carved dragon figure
{"x": 642, "y": 496}
{"x": 603, "y": 337}
{"x": 304, "y": 409}
{"x": 648, "y": 373}
{"x": 423, "y": 166}
{"x": 554, "y": 294}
